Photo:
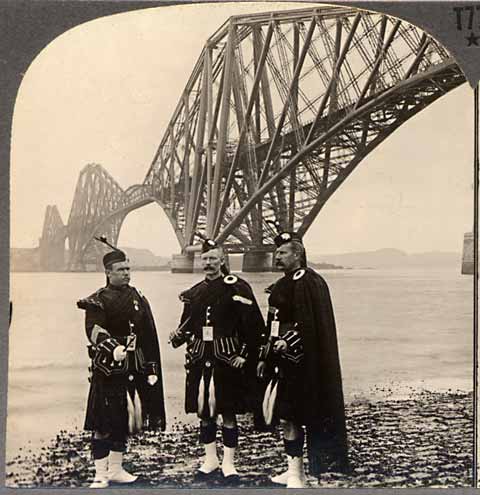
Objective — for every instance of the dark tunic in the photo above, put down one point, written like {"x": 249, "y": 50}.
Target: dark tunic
{"x": 119, "y": 392}
{"x": 308, "y": 373}
{"x": 226, "y": 305}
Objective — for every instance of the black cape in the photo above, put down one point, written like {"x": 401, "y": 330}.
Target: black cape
{"x": 323, "y": 404}
{"x": 112, "y": 309}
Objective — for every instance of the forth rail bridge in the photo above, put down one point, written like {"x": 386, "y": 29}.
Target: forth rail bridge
{"x": 278, "y": 111}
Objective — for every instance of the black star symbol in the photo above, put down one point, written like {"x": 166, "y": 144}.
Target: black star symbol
{"x": 472, "y": 39}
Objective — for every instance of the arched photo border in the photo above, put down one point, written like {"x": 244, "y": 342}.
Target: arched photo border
{"x": 29, "y": 26}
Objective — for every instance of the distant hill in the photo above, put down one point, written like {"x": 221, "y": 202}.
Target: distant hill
{"x": 27, "y": 259}
{"x": 389, "y": 258}
{"x": 324, "y": 266}
{"x": 144, "y": 258}
{"x": 24, "y": 260}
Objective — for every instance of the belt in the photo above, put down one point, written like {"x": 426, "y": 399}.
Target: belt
{"x": 123, "y": 340}
{"x": 218, "y": 333}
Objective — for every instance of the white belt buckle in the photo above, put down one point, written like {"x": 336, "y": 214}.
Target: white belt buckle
{"x": 275, "y": 329}
{"x": 207, "y": 334}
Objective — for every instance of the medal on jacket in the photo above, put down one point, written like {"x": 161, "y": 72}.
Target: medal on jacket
{"x": 135, "y": 305}
{"x": 207, "y": 330}
{"x": 275, "y": 328}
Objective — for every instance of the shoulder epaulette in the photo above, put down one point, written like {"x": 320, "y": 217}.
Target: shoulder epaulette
{"x": 92, "y": 300}
{"x": 243, "y": 300}
{"x": 187, "y": 294}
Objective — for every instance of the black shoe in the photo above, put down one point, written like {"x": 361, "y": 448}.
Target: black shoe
{"x": 231, "y": 480}
{"x": 201, "y": 476}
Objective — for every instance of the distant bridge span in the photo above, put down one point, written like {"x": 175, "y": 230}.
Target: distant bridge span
{"x": 279, "y": 109}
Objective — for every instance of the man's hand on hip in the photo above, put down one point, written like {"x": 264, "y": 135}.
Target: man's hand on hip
{"x": 238, "y": 362}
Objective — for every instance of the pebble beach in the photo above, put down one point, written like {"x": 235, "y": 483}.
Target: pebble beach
{"x": 423, "y": 440}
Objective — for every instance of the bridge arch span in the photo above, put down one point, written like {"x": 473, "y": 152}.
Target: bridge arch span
{"x": 279, "y": 109}
{"x": 113, "y": 222}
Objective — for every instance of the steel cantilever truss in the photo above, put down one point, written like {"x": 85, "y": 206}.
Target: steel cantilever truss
{"x": 279, "y": 109}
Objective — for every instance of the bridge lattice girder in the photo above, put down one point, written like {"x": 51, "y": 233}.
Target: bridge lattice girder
{"x": 96, "y": 196}
{"x": 279, "y": 110}
{"x": 99, "y": 207}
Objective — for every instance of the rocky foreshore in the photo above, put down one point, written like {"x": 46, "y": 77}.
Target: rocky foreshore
{"x": 425, "y": 440}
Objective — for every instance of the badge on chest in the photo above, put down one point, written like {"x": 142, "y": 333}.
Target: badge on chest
{"x": 275, "y": 329}
{"x": 207, "y": 333}
{"x": 275, "y": 324}
{"x": 132, "y": 342}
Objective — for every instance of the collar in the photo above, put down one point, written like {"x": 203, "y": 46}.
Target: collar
{"x": 117, "y": 287}
{"x": 291, "y": 273}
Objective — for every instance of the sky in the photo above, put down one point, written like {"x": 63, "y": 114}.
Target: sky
{"x": 104, "y": 92}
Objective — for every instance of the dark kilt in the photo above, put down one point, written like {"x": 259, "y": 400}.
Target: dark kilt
{"x": 107, "y": 405}
{"x": 107, "y": 410}
{"x": 290, "y": 399}
{"x": 230, "y": 388}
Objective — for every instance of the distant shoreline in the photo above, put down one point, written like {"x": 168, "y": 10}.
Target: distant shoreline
{"x": 317, "y": 266}
{"x": 27, "y": 260}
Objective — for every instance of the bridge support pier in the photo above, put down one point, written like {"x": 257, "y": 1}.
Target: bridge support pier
{"x": 197, "y": 263}
{"x": 467, "y": 257}
{"x": 257, "y": 261}
{"x": 182, "y": 263}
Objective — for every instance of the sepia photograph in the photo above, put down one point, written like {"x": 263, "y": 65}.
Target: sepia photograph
{"x": 242, "y": 252}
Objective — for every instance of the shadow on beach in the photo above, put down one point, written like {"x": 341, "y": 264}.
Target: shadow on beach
{"x": 424, "y": 440}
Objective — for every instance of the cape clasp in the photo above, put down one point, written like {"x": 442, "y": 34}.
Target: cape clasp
{"x": 230, "y": 279}
{"x": 298, "y": 274}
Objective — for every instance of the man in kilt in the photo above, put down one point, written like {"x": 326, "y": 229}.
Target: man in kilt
{"x": 301, "y": 365}
{"x": 222, "y": 327}
{"x": 126, "y": 390}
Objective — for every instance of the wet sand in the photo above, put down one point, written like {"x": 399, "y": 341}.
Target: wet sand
{"x": 422, "y": 440}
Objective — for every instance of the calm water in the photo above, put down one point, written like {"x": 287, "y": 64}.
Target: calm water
{"x": 408, "y": 327}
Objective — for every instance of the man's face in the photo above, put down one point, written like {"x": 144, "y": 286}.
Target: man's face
{"x": 212, "y": 262}
{"x": 119, "y": 273}
{"x": 286, "y": 259}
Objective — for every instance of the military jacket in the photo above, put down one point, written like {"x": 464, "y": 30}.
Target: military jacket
{"x": 282, "y": 321}
{"x": 221, "y": 319}
{"x": 120, "y": 316}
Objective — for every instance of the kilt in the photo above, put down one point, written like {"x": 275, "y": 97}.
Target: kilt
{"x": 107, "y": 405}
{"x": 289, "y": 403}
{"x": 229, "y": 386}
{"x": 107, "y": 410}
